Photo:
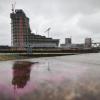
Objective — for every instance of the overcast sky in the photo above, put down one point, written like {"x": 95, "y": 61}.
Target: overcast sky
{"x": 67, "y": 18}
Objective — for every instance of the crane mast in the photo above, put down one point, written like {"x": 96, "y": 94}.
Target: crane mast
{"x": 48, "y": 31}
{"x": 13, "y": 6}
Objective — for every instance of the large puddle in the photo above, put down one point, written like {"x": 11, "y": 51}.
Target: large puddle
{"x": 49, "y": 79}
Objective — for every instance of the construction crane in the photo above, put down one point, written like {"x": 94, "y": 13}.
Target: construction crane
{"x": 48, "y": 31}
{"x": 13, "y": 6}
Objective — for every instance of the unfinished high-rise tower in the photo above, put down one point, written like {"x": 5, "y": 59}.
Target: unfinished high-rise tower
{"x": 22, "y": 36}
{"x": 20, "y": 28}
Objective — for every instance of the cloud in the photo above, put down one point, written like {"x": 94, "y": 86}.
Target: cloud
{"x": 76, "y": 18}
{"x": 91, "y": 22}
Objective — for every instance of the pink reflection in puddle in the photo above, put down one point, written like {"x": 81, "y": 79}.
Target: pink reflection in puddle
{"x": 21, "y": 77}
{"x": 31, "y": 77}
{"x": 22, "y": 70}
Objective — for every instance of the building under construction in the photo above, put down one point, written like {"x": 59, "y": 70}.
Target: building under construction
{"x": 22, "y": 36}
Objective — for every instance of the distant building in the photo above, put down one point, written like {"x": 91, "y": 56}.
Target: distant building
{"x": 22, "y": 36}
{"x": 88, "y": 42}
{"x": 68, "y": 44}
{"x": 68, "y": 41}
{"x": 77, "y": 46}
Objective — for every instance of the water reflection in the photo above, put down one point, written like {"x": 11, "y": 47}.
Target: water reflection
{"x": 49, "y": 69}
{"x": 21, "y": 73}
{"x": 50, "y": 80}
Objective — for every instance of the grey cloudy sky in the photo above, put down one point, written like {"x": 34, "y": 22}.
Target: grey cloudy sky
{"x": 67, "y": 18}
